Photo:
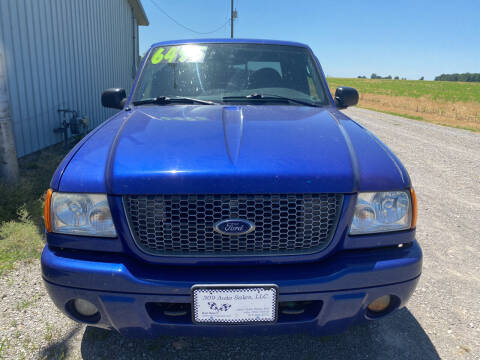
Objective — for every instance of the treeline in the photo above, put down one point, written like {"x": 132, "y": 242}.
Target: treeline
{"x": 389, "y": 77}
{"x": 467, "y": 77}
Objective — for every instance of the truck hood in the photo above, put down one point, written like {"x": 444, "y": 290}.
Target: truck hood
{"x": 230, "y": 149}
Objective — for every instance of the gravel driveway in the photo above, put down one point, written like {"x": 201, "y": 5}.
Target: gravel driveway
{"x": 442, "y": 319}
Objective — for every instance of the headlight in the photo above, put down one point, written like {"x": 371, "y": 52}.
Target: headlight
{"x": 81, "y": 214}
{"x": 377, "y": 212}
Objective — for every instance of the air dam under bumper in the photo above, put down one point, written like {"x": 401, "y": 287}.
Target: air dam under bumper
{"x": 127, "y": 293}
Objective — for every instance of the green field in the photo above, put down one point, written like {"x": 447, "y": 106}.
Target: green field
{"x": 455, "y": 104}
{"x": 436, "y": 90}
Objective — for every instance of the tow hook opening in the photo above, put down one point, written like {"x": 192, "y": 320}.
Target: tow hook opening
{"x": 169, "y": 312}
{"x": 298, "y": 310}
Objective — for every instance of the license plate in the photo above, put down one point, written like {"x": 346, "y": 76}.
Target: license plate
{"x": 234, "y": 304}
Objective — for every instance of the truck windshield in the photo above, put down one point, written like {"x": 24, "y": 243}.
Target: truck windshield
{"x": 232, "y": 72}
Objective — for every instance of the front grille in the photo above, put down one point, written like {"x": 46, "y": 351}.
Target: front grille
{"x": 183, "y": 225}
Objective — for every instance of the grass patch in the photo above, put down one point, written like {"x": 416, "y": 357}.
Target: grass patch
{"x": 20, "y": 239}
{"x": 413, "y": 117}
{"x": 49, "y": 332}
{"x": 24, "y": 304}
{"x": 21, "y": 207}
{"x": 36, "y": 171}
{"x": 419, "y": 118}
{"x": 4, "y": 344}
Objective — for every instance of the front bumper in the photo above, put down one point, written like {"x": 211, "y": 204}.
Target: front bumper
{"x": 340, "y": 287}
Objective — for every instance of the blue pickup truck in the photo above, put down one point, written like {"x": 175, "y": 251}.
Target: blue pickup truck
{"x": 229, "y": 195}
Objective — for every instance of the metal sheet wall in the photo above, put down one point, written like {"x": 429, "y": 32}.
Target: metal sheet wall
{"x": 63, "y": 54}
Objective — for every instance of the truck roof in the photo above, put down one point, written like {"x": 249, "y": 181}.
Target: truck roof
{"x": 223, "y": 41}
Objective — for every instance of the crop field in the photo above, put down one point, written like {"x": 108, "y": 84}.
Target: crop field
{"x": 455, "y": 104}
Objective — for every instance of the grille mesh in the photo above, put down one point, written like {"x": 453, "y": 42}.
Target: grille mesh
{"x": 183, "y": 225}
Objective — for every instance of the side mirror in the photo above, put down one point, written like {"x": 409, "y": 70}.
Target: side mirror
{"x": 345, "y": 97}
{"x": 114, "y": 98}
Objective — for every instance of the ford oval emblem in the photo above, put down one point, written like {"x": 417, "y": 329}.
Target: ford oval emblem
{"x": 234, "y": 227}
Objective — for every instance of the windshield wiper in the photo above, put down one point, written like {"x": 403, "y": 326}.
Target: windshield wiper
{"x": 268, "y": 97}
{"x": 164, "y": 100}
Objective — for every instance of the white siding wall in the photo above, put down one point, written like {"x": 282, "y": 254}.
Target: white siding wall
{"x": 63, "y": 54}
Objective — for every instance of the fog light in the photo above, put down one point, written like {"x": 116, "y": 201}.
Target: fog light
{"x": 84, "y": 307}
{"x": 380, "y": 304}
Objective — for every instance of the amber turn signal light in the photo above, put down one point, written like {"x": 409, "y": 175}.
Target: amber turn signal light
{"x": 414, "y": 208}
{"x": 380, "y": 304}
{"x": 46, "y": 210}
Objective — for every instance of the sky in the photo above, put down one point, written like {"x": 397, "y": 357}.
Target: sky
{"x": 402, "y": 38}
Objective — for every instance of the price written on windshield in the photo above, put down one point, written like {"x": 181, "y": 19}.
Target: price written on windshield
{"x": 179, "y": 54}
